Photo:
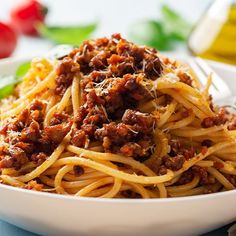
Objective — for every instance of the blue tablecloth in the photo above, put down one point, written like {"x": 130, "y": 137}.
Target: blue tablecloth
{"x": 11, "y": 230}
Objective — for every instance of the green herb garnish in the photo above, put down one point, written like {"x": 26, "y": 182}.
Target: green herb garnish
{"x": 67, "y": 35}
{"x": 150, "y": 33}
{"x": 22, "y": 70}
{"x": 8, "y": 82}
{"x": 162, "y": 33}
{"x": 174, "y": 25}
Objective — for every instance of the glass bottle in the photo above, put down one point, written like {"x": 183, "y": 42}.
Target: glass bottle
{"x": 214, "y": 37}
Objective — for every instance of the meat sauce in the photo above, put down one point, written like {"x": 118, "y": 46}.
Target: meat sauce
{"x": 26, "y": 140}
{"x": 111, "y": 72}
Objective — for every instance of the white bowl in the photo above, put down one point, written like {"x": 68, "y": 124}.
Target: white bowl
{"x": 51, "y": 214}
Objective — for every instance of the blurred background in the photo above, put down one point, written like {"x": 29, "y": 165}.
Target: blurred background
{"x": 206, "y": 28}
{"x": 134, "y": 19}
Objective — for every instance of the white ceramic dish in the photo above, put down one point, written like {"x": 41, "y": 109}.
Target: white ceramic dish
{"x": 51, "y": 214}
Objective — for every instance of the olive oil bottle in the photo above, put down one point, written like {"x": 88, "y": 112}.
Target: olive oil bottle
{"x": 214, "y": 37}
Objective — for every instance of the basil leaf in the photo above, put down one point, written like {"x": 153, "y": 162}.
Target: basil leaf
{"x": 163, "y": 33}
{"x": 175, "y": 26}
{"x": 7, "y": 84}
{"x": 67, "y": 35}
{"x": 150, "y": 33}
{"x": 22, "y": 70}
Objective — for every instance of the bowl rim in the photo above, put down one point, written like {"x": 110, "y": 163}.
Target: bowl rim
{"x": 35, "y": 193}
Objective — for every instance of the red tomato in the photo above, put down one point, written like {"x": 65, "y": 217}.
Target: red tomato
{"x": 26, "y": 15}
{"x": 8, "y": 40}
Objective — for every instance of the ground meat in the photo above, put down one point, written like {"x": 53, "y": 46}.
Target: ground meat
{"x": 27, "y": 139}
{"x": 218, "y": 165}
{"x": 23, "y": 117}
{"x": 114, "y": 58}
{"x": 37, "y": 111}
{"x": 144, "y": 121}
{"x": 175, "y": 145}
{"x": 14, "y": 157}
{"x": 117, "y": 133}
{"x": 207, "y": 143}
{"x": 223, "y": 117}
{"x": 33, "y": 185}
{"x": 131, "y": 149}
{"x": 186, "y": 177}
{"x": 174, "y": 163}
{"x": 188, "y": 153}
{"x": 99, "y": 61}
{"x": 153, "y": 66}
{"x": 185, "y": 78}
{"x": 178, "y": 147}
{"x": 37, "y": 105}
{"x": 121, "y": 65}
{"x": 92, "y": 98}
{"x": 66, "y": 71}
{"x": 89, "y": 120}
{"x": 159, "y": 170}
{"x": 122, "y": 137}
{"x": 59, "y": 118}
{"x": 130, "y": 194}
{"x": 118, "y": 98}
{"x": 219, "y": 119}
{"x": 78, "y": 170}
{"x": 56, "y": 133}
{"x": 204, "y": 150}
{"x": 114, "y": 72}
{"x": 186, "y": 113}
{"x": 232, "y": 179}
{"x": 31, "y": 133}
{"x": 27, "y": 147}
{"x": 99, "y": 110}
{"x": 232, "y": 123}
{"x": 45, "y": 145}
{"x": 119, "y": 94}
{"x": 3, "y": 129}
{"x": 7, "y": 162}
{"x": 205, "y": 178}
{"x": 22, "y": 135}
{"x": 38, "y": 158}
{"x": 210, "y": 101}
{"x": 79, "y": 138}
{"x": 82, "y": 113}
{"x": 208, "y": 122}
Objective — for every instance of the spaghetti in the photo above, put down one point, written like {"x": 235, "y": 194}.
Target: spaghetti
{"x": 115, "y": 120}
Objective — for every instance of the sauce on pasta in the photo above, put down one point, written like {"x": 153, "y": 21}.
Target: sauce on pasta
{"x": 115, "y": 120}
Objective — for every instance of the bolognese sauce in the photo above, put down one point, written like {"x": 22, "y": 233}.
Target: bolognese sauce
{"x": 122, "y": 111}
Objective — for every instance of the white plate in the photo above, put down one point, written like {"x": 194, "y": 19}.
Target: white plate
{"x": 51, "y": 214}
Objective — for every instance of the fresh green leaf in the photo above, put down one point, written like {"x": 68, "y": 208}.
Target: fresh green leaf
{"x": 67, "y": 35}
{"x": 22, "y": 70}
{"x": 169, "y": 13}
{"x": 174, "y": 25}
{"x": 7, "y": 84}
{"x": 162, "y": 33}
{"x": 150, "y": 33}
